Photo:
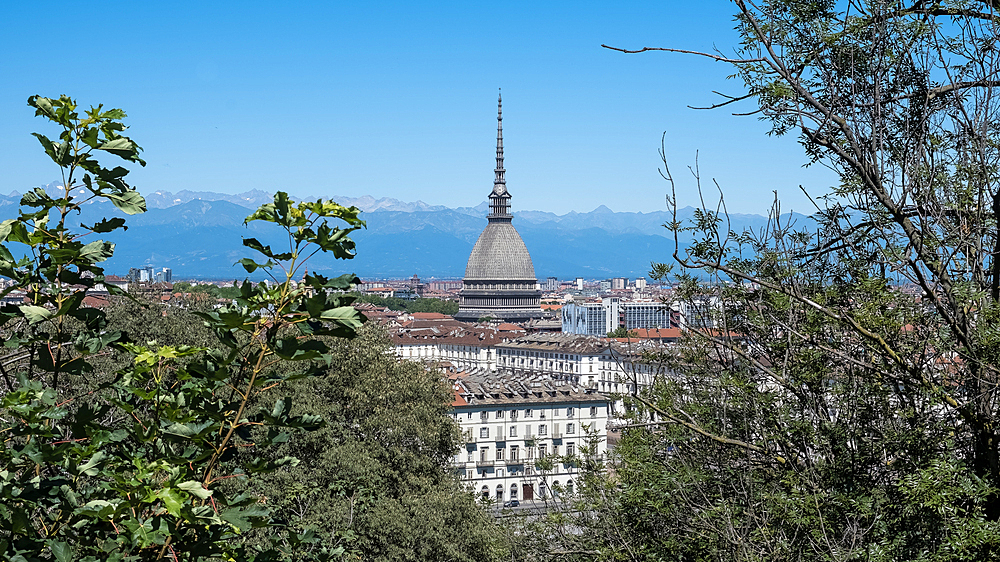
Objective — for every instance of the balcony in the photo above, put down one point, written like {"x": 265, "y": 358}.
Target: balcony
{"x": 482, "y": 463}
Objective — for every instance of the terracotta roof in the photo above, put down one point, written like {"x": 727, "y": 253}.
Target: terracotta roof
{"x": 430, "y": 315}
{"x": 444, "y": 331}
{"x": 657, "y": 333}
{"x": 94, "y": 302}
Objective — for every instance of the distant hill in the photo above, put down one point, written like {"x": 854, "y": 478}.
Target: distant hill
{"x": 199, "y": 234}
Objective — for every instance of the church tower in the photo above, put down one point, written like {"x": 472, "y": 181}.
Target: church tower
{"x": 499, "y": 279}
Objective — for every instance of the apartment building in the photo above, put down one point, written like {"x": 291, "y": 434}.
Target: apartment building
{"x": 436, "y": 338}
{"x": 601, "y": 364}
{"x": 597, "y": 318}
{"x": 524, "y": 436}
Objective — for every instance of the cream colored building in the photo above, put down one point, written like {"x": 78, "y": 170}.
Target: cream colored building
{"x": 526, "y": 437}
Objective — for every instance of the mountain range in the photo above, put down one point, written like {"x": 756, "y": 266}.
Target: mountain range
{"x": 199, "y": 235}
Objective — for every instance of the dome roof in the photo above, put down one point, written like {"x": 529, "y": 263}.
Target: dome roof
{"x": 499, "y": 255}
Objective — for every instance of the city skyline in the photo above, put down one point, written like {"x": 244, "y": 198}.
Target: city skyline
{"x": 396, "y": 100}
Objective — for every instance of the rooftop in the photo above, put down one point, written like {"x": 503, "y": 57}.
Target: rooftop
{"x": 490, "y": 389}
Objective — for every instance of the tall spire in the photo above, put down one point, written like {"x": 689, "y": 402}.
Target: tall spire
{"x": 499, "y": 183}
{"x": 499, "y": 198}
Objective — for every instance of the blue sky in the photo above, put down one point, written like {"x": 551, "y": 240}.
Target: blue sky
{"x": 399, "y": 99}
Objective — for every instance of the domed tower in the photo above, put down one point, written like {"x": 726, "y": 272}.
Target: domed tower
{"x": 499, "y": 278}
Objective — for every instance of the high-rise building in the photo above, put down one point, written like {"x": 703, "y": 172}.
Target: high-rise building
{"x": 499, "y": 279}
{"x": 164, "y": 275}
{"x": 599, "y": 318}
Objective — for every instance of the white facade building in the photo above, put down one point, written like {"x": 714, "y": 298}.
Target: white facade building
{"x": 604, "y": 365}
{"x": 524, "y": 436}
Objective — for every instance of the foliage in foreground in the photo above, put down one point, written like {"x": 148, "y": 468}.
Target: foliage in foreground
{"x": 378, "y": 477}
{"x": 842, "y": 403}
{"x": 156, "y": 456}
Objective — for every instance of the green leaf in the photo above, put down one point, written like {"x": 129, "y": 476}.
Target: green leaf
{"x": 107, "y": 225}
{"x": 5, "y": 227}
{"x": 121, "y": 146}
{"x": 93, "y": 466}
{"x": 172, "y": 500}
{"x": 35, "y": 314}
{"x": 101, "y": 509}
{"x": 195, "y": 488}
{"x": 97, "y": 251}
{"x": 251, "y": 266}
{"x": 129, "y": 202}
{"x": 61, "y": 551}
{"x": 244, "y": 519}
{"x": 345, "y": 315}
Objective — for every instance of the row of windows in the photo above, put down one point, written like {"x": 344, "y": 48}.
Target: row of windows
{"x": 528, "y": 490}
{"x": 501, "y": 453}
{"x": 528, "y": 412}
{"x": 546, "y": 355}
{"x": 484, "y": 432}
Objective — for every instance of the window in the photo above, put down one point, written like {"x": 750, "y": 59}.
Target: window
{"x": 513, "y": 414}
{"x": 527, "y": 413}
{"x": 593, "y": 411}
{"x": 529, "y": 453}
{"x": 500, "y": 454}
{"x": 483, "y": 454}
{"x": 513, "y": 453}
{"x": 470, "y": 415}
{"x": 484, "y": 432}
{"x": 543, "y": 429}
{"x": 499, "y": 414}
{"x": 541, "y": 415}
{"x": 570, "y": 428}
{"x": 483, "y": 415}
{"x": 570, "y": 449}
{"x": 569, "y": 412}
{"x": 513, "y": 431}
{"x": 541, "y": 450}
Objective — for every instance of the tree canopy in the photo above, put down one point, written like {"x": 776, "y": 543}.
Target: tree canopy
{"x": 142, "y": 432}
{"x": 842, "y": 401}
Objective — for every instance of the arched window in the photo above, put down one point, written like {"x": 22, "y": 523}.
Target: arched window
{"x": 486, "y": 492}
{"x": 513, "y": 491}
{"x": 569, "y": 487}
{"x": 499, "y": 492}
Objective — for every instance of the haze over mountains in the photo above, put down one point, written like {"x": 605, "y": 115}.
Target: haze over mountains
{"x": 199, "y": 235}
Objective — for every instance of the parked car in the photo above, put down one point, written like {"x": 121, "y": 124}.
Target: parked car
{"x": 511, "y": 503}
